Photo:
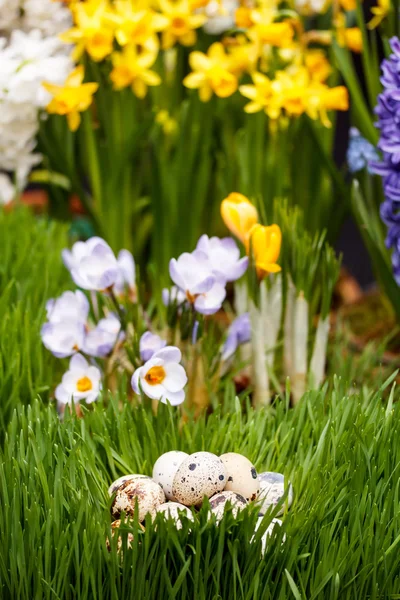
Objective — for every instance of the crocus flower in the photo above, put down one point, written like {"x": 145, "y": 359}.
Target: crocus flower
{"x": 70, "y": 306}
{"x": 162, "y": 377}
{"x": 239, "y": 214}
{"x": 193, "y": 275}
{"x": 149, "y": 344}
{"x": 224, "y": 257}
{"x": 238, "y": 333}
{"x": 63, "y": 338}
{"x": 81, "y": 382}
{"x": 126, "y": 278}
{"x": 101, "y": 340}
{"x": 92, "y": 264}
{"x": 265, "y": 243}
{"x": 174, "y": 294}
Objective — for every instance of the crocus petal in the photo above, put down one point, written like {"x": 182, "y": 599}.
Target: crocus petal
{"x": 176, "y": 378}
{"x": 135, "y": 380}
{"x": 174, "y": 398}
{"x": 78, "y": 362}
{"x": 169, "y": 354}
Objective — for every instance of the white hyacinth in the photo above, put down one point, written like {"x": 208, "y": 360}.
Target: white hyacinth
{"x": 27, "y": 58}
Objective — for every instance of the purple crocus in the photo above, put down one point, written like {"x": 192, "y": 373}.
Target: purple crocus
{"x": 149, "y": 344}
{"x": 239, "y": 333}
{"x": 388, "y": 113}
{"x": 224, "y": 257}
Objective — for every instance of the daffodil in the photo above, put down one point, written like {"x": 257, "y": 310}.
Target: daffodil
{"x": 132, "y": 67}
{"x": 137, "y": 25}
{"x": 238, "y": 214}
{"x": 211, "y": 73}
{"x": 259, "y": 93}
{"x": 380, "y": 12}
{"x": 92, "y": 31}
{"x": 71, "y": 98}
{"x": 317, "y": 65}
{"x": 182, "y": 23}
{"x": 265, "y": 244}
{"x": 267, "y": 32}
{"x": 350, "y": 37}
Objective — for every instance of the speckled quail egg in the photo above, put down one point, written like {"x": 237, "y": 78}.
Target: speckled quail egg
{"x": 241, "y": 475}
{"x": 165, "y": 468}
{"x": 219, "y": 501}
{"x": 201, "y": 474}
{"x": 268, "y": 532}
{"x": 171, "y": 510}
{"x": 272, "y": 488}
{"x": 118, "y": 482}
{"x": 115, "y": 525}
{"x": 146, "y": 492}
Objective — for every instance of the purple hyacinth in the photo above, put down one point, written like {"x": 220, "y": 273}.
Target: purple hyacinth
{"x": 388, "y": 113}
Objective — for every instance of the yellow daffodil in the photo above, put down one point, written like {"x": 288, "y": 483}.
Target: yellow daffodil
{"x": 265, "y": 243}
{"x": 380, "y": 12}
{"x": 348, "y": 5}
{"x": 293, "y": 92}
{"x": 71, "y": 98}
{"x": 211, "y": 73}
{"x": 351, "y": 37}
{"x": 317, "y": 65}
{"x": 134, "y": 25}
{"x": 92, "y": 31}
{"x": 243, "y": 17}
{"x": 133, "y": 68}
{"x": 268, "y": 33}
{"x": 239, "y": 215}
{"x": 182, "y": 23}
{"x": 259, "y": 93}
{"x": 243, "y": 54}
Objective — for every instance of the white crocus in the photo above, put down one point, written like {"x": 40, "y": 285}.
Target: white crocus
{"x": 81, "y": 382}
{"x": 63, "y": 339}
{"x": 70, "y": 306}
{"x": 162, "y": 377}
{"x": 92, "y": 264}
{"x": 101, "y": 340}
{"x": 126, "y": 278}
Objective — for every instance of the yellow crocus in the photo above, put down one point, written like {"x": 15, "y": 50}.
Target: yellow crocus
{"x": 132, "y": 68}
{"x": 380, "y": 12}
{"x": 181, "y": 23}
{"x": 265, "y": 243}
{"x": 211, "y": 73}
{"x": 134, "y": 25}
{"x": 71, "y": 98}
{"x": 92, "y": 31}
{"x": 239, "y": 215}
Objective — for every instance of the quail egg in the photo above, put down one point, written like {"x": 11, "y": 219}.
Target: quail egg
{"x": 146, "y": 492}
{"x": 165, "y": 468}
{"x": 241, "y": 476}
{"x": 118, "y": 482}
{"x": 272, "y": 488}
{"x": 171, "y": 511}
{"x": 115, "y": 525}
{"x": 219, "y": 501}
{"x": 268, "y": 532}
{"x": 201, "y": 474}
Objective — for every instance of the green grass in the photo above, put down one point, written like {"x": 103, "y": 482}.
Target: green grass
{"x": 31, "y": 272}
{"x": 342, "y": 533}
